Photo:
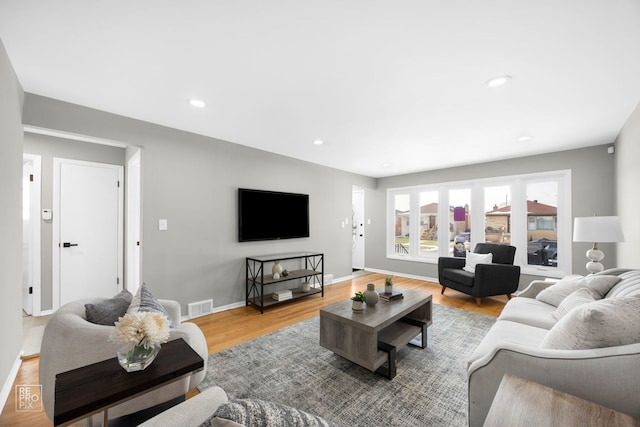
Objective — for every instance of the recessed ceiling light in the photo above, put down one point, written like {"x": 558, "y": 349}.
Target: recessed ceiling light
{"x": 498, "y": 81}
{"x": 385, "y": 165}
{"x": 197, "y": 103}
{"x": 525, "y": 138}
{"x": 318, "y": 142}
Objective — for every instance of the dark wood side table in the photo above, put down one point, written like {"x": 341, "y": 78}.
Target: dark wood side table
{"x": 520, "y": 402}
{"x": 85, "y": 391}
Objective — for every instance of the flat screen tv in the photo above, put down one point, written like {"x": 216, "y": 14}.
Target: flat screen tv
{"x": 272, "y": 215}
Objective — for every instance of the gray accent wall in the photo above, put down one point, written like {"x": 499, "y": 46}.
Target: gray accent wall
{"x": 627, "y": 190}
{"x": 191, "y": 181}
{"x": 10, "y": 218}
{"x": 49, "y": 147}
{"x": 592, "y": 178}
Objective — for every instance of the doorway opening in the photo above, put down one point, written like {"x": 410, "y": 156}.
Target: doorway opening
{"x": 31, "y": 189}
{"x": 357, "y": 229}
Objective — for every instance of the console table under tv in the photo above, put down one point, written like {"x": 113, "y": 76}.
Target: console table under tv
{"x": 309, "y": 267}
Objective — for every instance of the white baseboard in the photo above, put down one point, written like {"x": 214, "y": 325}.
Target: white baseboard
{"x": 6, "y": 388}
{"x": 408, "y": 276}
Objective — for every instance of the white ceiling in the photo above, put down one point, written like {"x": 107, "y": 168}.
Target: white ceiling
{"x": 397, "y": 82}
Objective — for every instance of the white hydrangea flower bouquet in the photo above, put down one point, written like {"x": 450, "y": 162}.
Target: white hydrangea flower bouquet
{"x": 138, "y": 337}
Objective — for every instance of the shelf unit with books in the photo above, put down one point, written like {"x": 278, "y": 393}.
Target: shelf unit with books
{"x": 310, "y": 269}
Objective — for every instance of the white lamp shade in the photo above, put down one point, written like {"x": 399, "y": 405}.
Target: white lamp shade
{"x": 597, "y": 229}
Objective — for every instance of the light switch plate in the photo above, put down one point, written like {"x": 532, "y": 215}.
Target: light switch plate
{"x": 162, "y": 224}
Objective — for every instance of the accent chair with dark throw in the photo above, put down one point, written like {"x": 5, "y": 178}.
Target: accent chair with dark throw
{"x": 485, "y": 272}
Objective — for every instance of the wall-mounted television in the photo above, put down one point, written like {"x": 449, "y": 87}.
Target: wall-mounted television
{"x": 272, "y": 215}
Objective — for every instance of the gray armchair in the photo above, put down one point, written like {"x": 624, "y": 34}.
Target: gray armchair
{"x": 498, "y": 278}
{"x": 70, "y": 341}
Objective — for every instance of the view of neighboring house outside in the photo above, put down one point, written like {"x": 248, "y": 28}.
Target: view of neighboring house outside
{"x": 542, "y": 231}
{"x": 527, "y": 211}
{"x": 541, "y": 224}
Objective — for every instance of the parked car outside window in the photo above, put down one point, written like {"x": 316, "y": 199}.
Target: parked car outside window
{"x": 463, "y": 237}
{"x": 543, "y": 252}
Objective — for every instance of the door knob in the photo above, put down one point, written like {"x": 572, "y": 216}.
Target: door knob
{"x": 68, "y": 245}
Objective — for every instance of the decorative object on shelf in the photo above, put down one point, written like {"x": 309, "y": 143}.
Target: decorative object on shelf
{"x": 358, "y": 302}
{"x": 371, "y": 296}
{"x": 388, "y": 285}
{"x": 276, "y": 276}
{"x": 597, "y": 229}
{"x": 138, "y": 337}
{"x": 306, "y": 287}
{"x": 277, "y": 269}
{"x": 282, "y": 295}
{"x": 285, "y": 273}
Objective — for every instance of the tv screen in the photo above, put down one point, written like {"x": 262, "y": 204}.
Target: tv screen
{"x": 272, "y": 215}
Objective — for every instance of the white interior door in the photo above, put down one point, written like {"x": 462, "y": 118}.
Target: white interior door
{"x": 357, "y": 228}
{"x": 89, "y": 225}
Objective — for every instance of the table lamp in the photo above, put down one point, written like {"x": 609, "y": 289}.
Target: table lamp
{"x": 597, "y": 229}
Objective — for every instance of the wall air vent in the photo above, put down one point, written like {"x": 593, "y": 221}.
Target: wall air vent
{"x": 200, "y": 308}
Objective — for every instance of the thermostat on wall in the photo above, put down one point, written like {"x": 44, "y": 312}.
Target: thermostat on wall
{"x": 47, "y": 214}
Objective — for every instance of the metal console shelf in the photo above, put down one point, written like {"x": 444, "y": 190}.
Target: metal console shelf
{"x": 256, "y": 279}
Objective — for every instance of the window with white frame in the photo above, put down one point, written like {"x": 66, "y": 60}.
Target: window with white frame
{"x": 529, "y": 211}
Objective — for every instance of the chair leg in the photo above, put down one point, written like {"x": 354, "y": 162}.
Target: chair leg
{"x": 479, "y": 302}
{"x": 442, "y": 291}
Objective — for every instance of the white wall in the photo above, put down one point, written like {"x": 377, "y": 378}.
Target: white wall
{"x": 592, "y": 182}
{"x": 10, "y": 220}
{"x": 192, "y": 181}
{"x": 627, "y": 158}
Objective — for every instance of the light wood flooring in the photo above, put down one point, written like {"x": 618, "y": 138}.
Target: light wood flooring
{"x": 229, "y": 328}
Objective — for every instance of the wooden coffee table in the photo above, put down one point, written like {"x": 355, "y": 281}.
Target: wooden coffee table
{"x": 371, "y": 338}
{"x": 95, "y": 388}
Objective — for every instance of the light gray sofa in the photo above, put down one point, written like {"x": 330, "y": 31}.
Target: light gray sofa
{"x": 70, "y": 341}
{"x": 192, "y": 412}
{"x": 608, "y": 376}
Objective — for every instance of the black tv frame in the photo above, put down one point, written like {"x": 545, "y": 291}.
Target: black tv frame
{"x": 266, "y": 215}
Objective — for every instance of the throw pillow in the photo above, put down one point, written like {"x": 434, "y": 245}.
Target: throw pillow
{"x": 604, "y": 323}
{"x": 260, "y": 413}
{"x": 109, "y": 311}
{"x": 474, "y": 259}
{"x": 576, "y": 299}
{"x": 554, "y": 294}
{"x": 145, "y": 301}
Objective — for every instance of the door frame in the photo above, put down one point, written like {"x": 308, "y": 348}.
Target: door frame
{"x": 35, "y": 247}
{"x": 55, "y": 267}
{"x": 133, "y": 223}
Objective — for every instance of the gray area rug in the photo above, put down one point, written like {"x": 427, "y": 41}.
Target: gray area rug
{"x": 289, "y": 366}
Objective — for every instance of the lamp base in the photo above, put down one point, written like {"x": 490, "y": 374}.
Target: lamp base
{"x": 595, "y": 256}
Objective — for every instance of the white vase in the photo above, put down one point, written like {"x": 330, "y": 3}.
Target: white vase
{"x": 371, "y": 295}
{"x": 277, "y": 268}
{"x": 357, "y": 306}
{"x": 388, "y": 289}
{"x": 306, "y": 287}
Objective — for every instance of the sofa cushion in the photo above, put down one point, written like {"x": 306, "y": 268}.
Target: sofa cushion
{"x": 529, "y": 311}
{"x": 604, "y": 323}
{"x": 629, "y": 285}
{"x": 108, "y": 311}
{"x": 472, "y": 259}
{"x": 576, "y": 299}
{"x": 260, "y": 413}
{"x": 459, "y": 276}
{"x": 507, "y": 332}
{"x": 145, "y": 301}
{"x": 554, "y": 294}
